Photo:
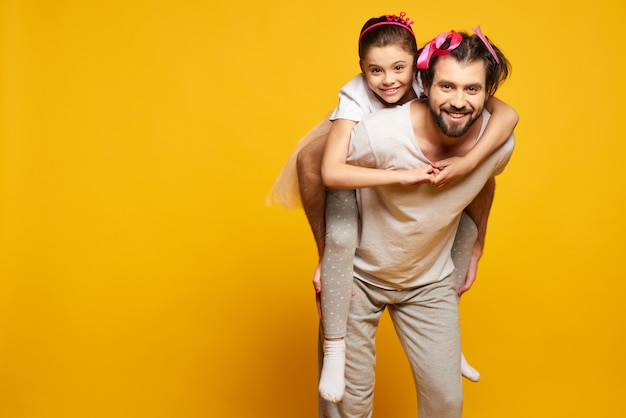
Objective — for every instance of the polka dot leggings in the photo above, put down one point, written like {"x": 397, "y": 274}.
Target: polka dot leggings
{"x": 342, "y": 230}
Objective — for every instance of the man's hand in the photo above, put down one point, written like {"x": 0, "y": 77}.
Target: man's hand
{"x": 317, "y": 285}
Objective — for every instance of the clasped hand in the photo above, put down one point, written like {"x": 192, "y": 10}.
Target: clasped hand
{"x": 439, "y": 173}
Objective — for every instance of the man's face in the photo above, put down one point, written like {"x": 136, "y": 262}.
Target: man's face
{"x": 457, "y": 96}
{"x": 389, "y": 73}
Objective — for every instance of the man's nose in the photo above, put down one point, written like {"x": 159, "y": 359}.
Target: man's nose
{"x": 458, "y": 99}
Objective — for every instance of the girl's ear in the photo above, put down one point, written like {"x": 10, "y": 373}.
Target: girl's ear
{"x": 361, "y": 66}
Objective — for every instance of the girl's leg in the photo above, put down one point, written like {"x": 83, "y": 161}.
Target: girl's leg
{"x": 337, "y": 272}
{"x": 461, "y": 255}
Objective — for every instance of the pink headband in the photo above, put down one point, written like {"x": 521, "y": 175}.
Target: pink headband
{"x": 482, "y": 37}
{"x": 434, "y": 47}
{"x": 401, "y": 21}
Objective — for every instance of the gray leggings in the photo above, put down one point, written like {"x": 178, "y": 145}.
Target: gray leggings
{"x": 342, "y": 231}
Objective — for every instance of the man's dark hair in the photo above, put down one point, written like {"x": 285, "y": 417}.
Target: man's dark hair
{"x": 470, "y": 49}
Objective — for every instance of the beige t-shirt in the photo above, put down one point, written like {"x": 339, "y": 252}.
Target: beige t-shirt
{"x": 407, "y": 233}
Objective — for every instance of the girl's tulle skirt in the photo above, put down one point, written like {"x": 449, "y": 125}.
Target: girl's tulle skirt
{"x": 286, "y": 191}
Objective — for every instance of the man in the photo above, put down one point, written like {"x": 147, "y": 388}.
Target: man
{"x": 403, "y": 261}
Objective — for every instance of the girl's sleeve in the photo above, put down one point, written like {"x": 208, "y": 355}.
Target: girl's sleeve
{"x": 353, "y": 101}
{"x": 348, "y": 108}
{"x": 507, "y": 151}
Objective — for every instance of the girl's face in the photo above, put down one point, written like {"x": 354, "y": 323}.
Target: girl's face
{"x": 389, "y": 71}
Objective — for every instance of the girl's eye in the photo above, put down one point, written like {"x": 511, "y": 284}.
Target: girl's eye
{"x": 376, "y": 70}
{"x": 400, "y": 68}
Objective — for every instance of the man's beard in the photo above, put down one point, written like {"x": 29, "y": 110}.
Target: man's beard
{"x": 456, "y": 130}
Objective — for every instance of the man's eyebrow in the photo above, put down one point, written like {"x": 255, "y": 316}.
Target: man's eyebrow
{"x": 444, "y": 81}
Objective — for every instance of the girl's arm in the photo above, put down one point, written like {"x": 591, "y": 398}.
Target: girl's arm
{"x": 336, "y": 173}
{"x": 499, "y": 128}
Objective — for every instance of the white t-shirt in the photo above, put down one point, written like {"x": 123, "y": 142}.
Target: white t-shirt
{"x": 407, "y": 232}
{"x": 357, "y": 100}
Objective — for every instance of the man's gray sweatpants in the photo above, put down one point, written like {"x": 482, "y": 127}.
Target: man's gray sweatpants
{"x": 426, "y": 320}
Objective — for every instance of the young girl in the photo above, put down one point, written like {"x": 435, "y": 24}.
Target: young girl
{"x": 388, "y": 54}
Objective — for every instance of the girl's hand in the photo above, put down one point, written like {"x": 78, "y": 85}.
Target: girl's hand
{"x": 417, "y": 176}
{"x": 450, "y": 170}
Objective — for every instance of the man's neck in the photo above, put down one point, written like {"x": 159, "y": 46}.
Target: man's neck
{"x": 434, "y": 143}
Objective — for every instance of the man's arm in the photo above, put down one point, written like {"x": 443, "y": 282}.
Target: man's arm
{"x": 313, "y": 196}
{"x": 479, "y": 210}
{"x": 312, "y": 190}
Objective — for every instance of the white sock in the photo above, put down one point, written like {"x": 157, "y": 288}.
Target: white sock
{"x": 332, "y": 380}
{"x": 468, "y": 371}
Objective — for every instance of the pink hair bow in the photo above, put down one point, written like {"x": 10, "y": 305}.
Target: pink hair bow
{"x": 434, "y": 47}
{"x": 482, "y": 37}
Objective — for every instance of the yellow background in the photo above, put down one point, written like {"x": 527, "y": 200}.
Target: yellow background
{"x": 141, "y": 274}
